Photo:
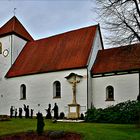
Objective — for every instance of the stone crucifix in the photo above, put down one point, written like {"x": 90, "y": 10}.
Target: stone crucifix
{"x": 73, "y": 79}
{"x": 74, "y": 83}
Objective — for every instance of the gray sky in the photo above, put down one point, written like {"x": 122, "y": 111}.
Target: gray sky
{"x": 43, "y": 18}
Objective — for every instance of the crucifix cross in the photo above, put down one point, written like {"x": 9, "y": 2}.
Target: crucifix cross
{"x": 74, "y": 83}
{"x": 14, "y": 11}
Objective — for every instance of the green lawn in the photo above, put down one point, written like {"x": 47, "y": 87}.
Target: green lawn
{"x": 89, "y": 131}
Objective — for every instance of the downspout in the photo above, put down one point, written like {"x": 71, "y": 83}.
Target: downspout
{"x": 11, "y": 49}
{"x": 87, "y": 87}
{"x": 138, "y": 97}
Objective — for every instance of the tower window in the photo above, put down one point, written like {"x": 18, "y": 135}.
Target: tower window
{"x": 56, "y": 89}
{"x": 0, "y": 48}
{"x": 22, "y": 92}
{"x": 109, "y": 93}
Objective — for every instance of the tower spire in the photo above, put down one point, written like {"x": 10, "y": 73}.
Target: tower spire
{"x": 14, "y": 11}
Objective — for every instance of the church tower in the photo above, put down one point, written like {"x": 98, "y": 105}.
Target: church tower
{"x": 13, "y": 37}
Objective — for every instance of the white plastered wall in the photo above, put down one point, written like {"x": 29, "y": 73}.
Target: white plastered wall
{"x": 97, "y": 45}
{"x": 5, "y": 62}
{"x": 14, "y": 45}
{"x": 17, "y": 45}
{"x": 40, "y": 91}
{"x": 126, "y": 87}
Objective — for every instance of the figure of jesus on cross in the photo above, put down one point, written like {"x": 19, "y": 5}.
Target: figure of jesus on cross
{"x": 73, "y": 79}
{"x": 74, "y": 83}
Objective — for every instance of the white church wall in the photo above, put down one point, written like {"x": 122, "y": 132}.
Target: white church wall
{"x": 97, "y": 45}
{"x": 5, "y": 61}
{"x": 95, "y": 48}
{"x": 17, "y": 45}
{"x": 126, "y": 87}
{"x": 8, "y": 42}
{"x": 40, "y": 91}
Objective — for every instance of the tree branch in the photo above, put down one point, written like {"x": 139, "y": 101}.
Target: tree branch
{"x": 122, "y": 19}
{"x": 137, "y": 7}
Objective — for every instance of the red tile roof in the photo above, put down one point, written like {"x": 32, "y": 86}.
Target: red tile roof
{"x": 14, "y": 26}
{"x": 64, "y": 51}
{"x": 117, "y": 59}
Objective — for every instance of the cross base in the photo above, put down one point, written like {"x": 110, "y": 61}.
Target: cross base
{"x": 74, "y": 110}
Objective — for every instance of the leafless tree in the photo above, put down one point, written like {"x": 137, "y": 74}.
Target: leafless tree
{"x": 122, "y": 19}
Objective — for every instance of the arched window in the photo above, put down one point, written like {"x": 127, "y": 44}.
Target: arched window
{"x": 23, "y": 92}
{"x": 109, "y": 93}
{"x": 56, "y": 89}
{"x": 0, "y": 48}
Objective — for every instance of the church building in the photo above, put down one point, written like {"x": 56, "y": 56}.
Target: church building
{"x": 70, "y": 69}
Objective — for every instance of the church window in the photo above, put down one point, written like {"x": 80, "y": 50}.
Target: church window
{"x": 56, "y": 89}
{"x": 0, "y": 48}
{"x": 109, "y": 93}
{"x": 22, "y": 92}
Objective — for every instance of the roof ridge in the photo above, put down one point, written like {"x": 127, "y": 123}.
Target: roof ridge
{"x": 67, "y": 32}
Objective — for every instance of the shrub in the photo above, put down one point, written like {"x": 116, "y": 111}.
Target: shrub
{"x": 62, "y": 115}
{"x": 81, "y": 116}
{"x": 125, "y": 112}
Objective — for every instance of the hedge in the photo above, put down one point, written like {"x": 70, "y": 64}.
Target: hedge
{"x": 125, "y": 112}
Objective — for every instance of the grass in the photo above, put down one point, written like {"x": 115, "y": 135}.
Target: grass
{"x": 89, "y": 131}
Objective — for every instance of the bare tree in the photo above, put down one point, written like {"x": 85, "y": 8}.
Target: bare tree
{"x": 122, "y": 19}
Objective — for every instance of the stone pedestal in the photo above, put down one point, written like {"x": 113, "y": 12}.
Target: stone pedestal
{"x": 74, "y": 110}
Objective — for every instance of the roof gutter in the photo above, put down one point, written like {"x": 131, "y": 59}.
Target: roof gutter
{"x": 11, "y": 50}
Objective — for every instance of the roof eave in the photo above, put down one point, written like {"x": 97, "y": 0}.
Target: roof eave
{"x": 116, "y": 71}
{"x": 12, "y": 32}
{"x": 28, "y": 74}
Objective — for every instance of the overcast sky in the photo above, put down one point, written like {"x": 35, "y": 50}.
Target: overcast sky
{"x": 43, "y": 18}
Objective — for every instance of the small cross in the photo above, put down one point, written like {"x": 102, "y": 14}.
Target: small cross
{"x": 14, "y": 11}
